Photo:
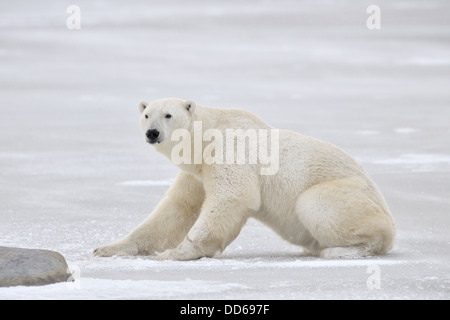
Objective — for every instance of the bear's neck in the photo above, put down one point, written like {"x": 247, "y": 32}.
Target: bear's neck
{"x": 202, "y": 121}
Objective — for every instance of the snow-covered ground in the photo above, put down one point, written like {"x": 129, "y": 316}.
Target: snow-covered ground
{"x": 76, "y": 173}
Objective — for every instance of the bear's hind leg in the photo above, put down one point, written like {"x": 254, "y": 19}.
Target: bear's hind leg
{"x": 347, "y": 217}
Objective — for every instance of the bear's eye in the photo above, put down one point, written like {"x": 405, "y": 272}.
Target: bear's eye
{"x": 146, "y": 116}
{"x": 168, "y": 116}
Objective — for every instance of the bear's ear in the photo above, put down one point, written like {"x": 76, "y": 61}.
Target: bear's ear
{"x": 142, "y": 106}
{"x": 190, "y": 106}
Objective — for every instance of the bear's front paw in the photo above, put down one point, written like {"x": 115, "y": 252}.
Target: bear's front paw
{"x": 115, "y": 250}
{"x": 177, "y": 254}
{"x": 169, "y": 254}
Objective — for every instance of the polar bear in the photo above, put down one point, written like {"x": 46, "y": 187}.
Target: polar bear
{"x": 318, "y": 197}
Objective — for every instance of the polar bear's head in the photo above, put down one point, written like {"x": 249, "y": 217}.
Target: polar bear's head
{"x": 160, "y": 118}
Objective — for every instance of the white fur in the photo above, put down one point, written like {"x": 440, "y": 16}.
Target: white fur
{"x": 320, "y": 198}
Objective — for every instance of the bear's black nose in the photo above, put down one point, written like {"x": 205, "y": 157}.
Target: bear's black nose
{"x": 152, "y": 135}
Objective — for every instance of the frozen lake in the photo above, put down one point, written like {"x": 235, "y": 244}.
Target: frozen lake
{"x": 76, "y": 173}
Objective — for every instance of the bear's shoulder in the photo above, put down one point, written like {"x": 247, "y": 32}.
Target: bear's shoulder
{"x": 229, "y": 118}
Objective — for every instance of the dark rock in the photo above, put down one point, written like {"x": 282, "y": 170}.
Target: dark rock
{"x": 31, "y": 267}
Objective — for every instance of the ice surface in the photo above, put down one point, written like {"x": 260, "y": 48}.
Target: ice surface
{"x": 76, "y": 173}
